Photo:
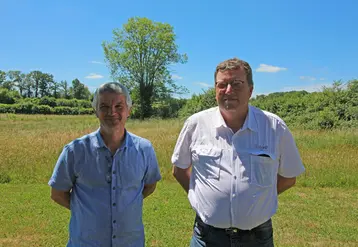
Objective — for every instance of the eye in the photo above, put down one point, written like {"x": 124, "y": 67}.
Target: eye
{"x": 237, "y": 83}
{"x": 221, "y": 85}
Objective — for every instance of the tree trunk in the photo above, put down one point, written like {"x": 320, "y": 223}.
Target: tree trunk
{"x": 145, "y": 94}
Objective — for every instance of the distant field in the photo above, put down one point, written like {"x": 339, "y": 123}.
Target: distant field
{"x": 322, "y": 210}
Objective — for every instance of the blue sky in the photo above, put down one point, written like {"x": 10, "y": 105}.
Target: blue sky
{"x": 290, "y": 45}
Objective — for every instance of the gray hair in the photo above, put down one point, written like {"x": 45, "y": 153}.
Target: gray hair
{"x": 112, "y": 87}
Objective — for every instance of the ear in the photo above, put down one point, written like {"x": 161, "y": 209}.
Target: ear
{"x": 129, "y": 112}
{"x": 251, "y": 90}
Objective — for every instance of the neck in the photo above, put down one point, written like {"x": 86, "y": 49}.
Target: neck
{"x": 235, "y": 119}
{"x": 113, "y": 138}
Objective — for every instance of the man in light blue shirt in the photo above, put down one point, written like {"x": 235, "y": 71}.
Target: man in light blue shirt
{"x": 104, "y": 176}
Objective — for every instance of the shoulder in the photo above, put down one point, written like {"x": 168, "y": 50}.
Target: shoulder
{"x": 139, "y": 142}
{"x": 266, "y": 117}
{"x": 201, "y": 116}
{"x": 81, "y": 142}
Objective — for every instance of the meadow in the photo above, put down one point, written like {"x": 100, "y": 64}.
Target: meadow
{"x": 321, "y": 210}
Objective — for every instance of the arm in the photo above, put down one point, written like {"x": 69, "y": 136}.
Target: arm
{"x": 290, "y": 165}
{"x": 148, "y": 189}
{"x": 152, "y": 174}
{"x": 182, "y": 176}
{"x": 284, "y": 183}
{"x": 61, "y": 197}
{"x": 63, "y": 178}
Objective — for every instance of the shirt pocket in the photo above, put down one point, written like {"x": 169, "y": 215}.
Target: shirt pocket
{"x": 209, "y": 161}
{"x": 263, "y": 168}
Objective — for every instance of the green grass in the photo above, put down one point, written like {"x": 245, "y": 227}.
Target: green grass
{"x": 321, "y": 210}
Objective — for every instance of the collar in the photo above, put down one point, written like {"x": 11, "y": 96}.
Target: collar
{"x": 250, "y": 121}
{"x": 99, "y": 143}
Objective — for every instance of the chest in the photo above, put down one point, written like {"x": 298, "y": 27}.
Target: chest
{"x": 102, "y": 169}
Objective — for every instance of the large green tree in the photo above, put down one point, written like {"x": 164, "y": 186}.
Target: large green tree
{"x": 140, "y": 55}
{"x": 36, "y": 77}
{"x": 79, "y": 90}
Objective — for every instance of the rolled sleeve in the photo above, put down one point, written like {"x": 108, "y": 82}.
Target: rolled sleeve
{"x": 63, "y": 176}
{"x": 152, "y": 174}
{"x": 182, "y": 155}
{"x": 290, "y": 160}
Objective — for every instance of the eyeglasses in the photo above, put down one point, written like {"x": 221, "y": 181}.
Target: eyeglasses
{"x": 235, "y": 84}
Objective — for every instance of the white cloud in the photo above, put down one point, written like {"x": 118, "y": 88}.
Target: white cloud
{"x": 309, "y": 88}
{"x": 308, "y": 78}
{"x": 176, "y": 77}
{"x": 94, "y": 76}
{"x": 321, "y": 79}
{"x": 203, "y": 84}
{"x": 96, "y": 62}
{"x": 269, "y": 68}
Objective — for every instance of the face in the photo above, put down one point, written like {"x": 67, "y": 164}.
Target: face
{"x": 112, "y": 110}
{"x": 232, "y": 90}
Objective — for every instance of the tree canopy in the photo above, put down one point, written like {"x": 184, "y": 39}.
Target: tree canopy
{"x": 139, "y": 57}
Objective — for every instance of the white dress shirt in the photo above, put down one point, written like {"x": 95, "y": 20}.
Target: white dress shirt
{"x": 233, "y": 181}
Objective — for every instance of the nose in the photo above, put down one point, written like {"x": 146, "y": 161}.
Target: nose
{"x": 112, "y": 110}
{"x": 228, "y": 89}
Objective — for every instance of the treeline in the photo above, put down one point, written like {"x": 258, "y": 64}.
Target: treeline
{"x": 37, "y": 84}
{"x": 39, "y": 93}
{"x": 333, "y": 107}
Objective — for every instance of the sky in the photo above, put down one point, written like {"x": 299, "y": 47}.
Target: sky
{"x": 290, "y": 45}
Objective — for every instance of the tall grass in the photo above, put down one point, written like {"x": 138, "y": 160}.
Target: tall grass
{"x": 30, "y": 145}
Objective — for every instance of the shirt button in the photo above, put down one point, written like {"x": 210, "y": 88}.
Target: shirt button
{"x": 114, "y": 222}
{"x": 114, "y": 204}
{"x": 114, "y": 172}
{"x": 234, "y": 177}
{"x": 233, "y": 195}
{"x": 114, "y": 236}
{"x": 114, "y": 188}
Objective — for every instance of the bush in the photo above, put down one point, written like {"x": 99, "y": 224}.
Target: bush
{"x": 8, "y": 96}
{"x": 23, "y": 108}
{"x": 42, "y": 109}
{"x": 63, "y": 110}
{"x": 86, "y": 111}
{"x": 4, "y": 108}
{"x": 47, "y": 101}
{"x": 29, "y": 108}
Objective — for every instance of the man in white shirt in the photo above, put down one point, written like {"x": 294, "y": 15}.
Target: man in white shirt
{"x": 233, "y": 160}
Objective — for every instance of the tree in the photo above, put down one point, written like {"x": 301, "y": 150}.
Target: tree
{"x": 17, "y": 78}
{"x": 29, "y": 85}
{"x": 80, "y": 91}
{"x": 65, "y": 90}
{"x": 45, "y": 82}
{"x": 2, "y": 77}
{"x": 139, "y": 56}
{"x": 36, "y": 78}
{"x": 55, "y": 88}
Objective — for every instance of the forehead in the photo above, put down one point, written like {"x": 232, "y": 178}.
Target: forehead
{"x": 231, "y": 74}
{"x": 106, "y": 97}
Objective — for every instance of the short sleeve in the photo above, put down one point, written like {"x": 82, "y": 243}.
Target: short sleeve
{"x": 182, "y": 155}
{"x": 63, "y": 176}
{"x": 290, "y": 160}
{"x": 152, "y": 173}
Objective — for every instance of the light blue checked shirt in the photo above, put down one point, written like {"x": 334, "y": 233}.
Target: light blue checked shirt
{"x": 106, "y": 198}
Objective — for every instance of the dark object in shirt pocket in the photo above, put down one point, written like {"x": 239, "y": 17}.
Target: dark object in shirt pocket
{"x": 264, "y": 155}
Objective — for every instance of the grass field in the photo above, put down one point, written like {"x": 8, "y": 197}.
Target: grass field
{"x": 321, "y": 210}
